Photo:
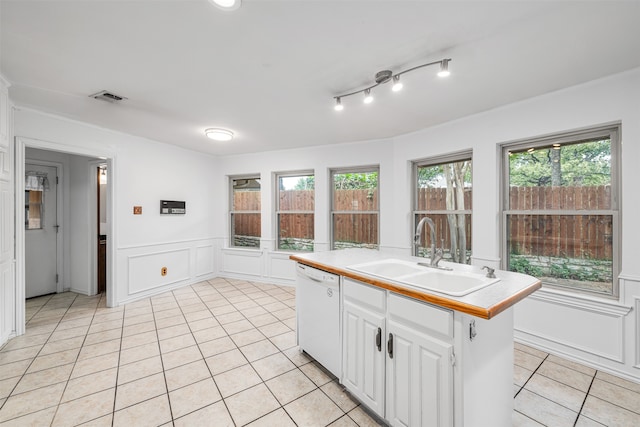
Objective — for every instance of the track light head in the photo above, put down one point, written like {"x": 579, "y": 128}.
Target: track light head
{"x": 444, "y": 68}
{"x": 338, "y": 106}
{"x": 397, "y": 84}
{"x": 368, "y": 98}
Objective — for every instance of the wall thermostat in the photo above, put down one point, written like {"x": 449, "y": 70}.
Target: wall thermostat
{"x": 172, "y": 207}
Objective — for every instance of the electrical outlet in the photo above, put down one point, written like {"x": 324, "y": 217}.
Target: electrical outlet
{"x": 163, "y": 271}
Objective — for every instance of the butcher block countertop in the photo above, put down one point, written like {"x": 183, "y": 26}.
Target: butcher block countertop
{"x": 484, "y": 303}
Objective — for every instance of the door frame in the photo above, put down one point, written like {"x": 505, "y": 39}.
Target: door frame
{"x": 94, "y": 214}
{"x": 59, "y": 213}
{"x": 104, "y": 154}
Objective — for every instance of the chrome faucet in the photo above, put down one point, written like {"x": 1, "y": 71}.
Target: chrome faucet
{"x": 436, "y": 253}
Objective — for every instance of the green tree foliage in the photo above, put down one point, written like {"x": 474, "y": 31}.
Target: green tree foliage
{"x": 586, "y": 163}
{"x": 306, "y": 183}
{"x": 434, "y": 176}
{"x": 356, "y": 181}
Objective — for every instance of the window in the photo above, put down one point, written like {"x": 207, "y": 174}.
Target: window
{"x": 294, "y": 211}
{"x": 33, "y": 206}
{"x": 561, "y": 210}
{"x": 245, "y": 212}
{"x": 443, "y": 193}
{"x": 354, "y": 208}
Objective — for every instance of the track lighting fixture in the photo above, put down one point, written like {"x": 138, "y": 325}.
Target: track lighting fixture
{"x": 384, "y": 76}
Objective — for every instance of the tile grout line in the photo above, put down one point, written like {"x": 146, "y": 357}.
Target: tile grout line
{"x": 531, "y": 376}
{"x": 585, "y": 398}
{"x": 164, "y": 372}
{"x": 204, "y": 360}
{"x": 33, "y": 359}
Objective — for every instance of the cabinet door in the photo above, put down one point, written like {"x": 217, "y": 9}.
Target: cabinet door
{"x": 363, "y": 360}
{"x": 419, "y": 378}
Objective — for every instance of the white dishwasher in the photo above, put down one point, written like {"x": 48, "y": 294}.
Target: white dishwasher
{"x": 318, "y": 312}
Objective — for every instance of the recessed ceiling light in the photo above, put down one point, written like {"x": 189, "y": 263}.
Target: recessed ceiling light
{"x": 218, "y": 134}
{"x": 226, "y": 4}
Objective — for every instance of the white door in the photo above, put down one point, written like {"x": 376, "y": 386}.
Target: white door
{"x": 41, "y": 228}
{"x": 419, "y": 378}
{"x": 363, "y": 355}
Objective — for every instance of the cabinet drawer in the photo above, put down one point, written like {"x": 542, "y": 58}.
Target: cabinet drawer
{"x": 363, "y": 294}
{"x": 421, "y": 315}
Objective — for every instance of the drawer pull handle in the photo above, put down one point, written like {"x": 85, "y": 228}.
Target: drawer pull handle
{"x": 390, "y": 346}
{"x": 379, "y": 339}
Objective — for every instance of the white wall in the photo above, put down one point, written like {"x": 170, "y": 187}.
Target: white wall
{"x": 600, "y": 332}
{"x": 268, "y": 264}
{"x": 142, "y": 173}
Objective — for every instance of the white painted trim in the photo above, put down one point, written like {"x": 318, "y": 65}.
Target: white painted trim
{"x": 583, "y": 302}
{"x": 244, "y": 252}
{"x": 173, "y": 242}
{"x": 59, "y": 213}
{"x": 94, "y": 231}
{"x": 637, "y": 349}
{"x": 629, "y": 277}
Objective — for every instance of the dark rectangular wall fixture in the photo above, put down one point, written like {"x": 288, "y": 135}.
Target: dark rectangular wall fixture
{"x": 172, "y": 207}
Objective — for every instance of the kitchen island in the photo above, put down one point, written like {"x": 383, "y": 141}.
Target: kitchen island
{"x": 417, "y": 354}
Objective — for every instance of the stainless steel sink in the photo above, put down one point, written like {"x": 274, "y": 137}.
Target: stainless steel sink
{"x": 455, "y": 283}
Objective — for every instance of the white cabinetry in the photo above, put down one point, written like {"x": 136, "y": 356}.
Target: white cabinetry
{"x": 363, "y": 348}
{"x": 420, "y": 364}
{"x": 398, "y": 356}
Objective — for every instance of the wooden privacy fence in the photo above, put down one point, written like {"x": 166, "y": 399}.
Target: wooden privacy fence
{"x": 564, "y": 236}
{"x": 572, "y": 236}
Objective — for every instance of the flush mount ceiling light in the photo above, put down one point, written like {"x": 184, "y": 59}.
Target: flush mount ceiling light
{"x": 218, "y": 134}
{"x": 226, "y": 4}
{"x": 385, "y": 76}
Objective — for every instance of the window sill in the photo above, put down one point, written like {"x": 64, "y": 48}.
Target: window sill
{"x": 248, "y": 251}
{"x": 581, "y": 301}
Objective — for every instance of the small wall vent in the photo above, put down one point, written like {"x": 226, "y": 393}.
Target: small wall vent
{"x": 108, "y": 96}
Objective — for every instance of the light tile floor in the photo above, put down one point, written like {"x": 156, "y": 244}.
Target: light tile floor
{"x": 222, "y": 353}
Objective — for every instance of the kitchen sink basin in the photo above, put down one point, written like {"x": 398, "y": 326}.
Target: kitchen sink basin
{"x": 455, "y": 283}
{"x": 388, "y": 268}
{"x": 448, "y": 282}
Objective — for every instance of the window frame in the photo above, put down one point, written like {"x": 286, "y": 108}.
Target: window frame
{"x": 232, "y": 210}
{"x": 459, "y": 156}
{"x": 608, "y": 131}
{"x": 333, "y": 212}
{"x": 278, "y": 211}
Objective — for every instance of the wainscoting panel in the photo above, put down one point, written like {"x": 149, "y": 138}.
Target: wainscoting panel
{"x": 204, "y": 260}
{"x": 139, "y": 268}
{"x": 7, "y": 298}
{"x": 243, "y": 262}
{"x": 282, "y": 268}
{"x": 596, "y": 330}
{"x": 145, "y": 271}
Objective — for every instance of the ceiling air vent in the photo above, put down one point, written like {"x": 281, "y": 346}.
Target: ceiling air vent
{"x": 107, "y": 96}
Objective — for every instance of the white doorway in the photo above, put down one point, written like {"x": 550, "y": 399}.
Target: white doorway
{"x": 42, "y": 257}
{"x": 77, "y": 214}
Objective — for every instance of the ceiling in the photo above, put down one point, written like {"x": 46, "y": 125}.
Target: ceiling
{"x": 269, "y": 70}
